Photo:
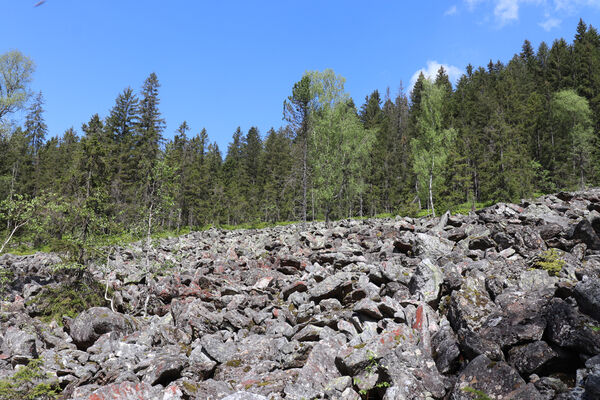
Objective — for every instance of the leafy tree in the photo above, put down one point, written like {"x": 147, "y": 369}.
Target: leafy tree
{"x": 572, "y": 116}
{"x": 429, "y": 147}
{"x": 340, "y": 144}
{"x": 16, "y": 72}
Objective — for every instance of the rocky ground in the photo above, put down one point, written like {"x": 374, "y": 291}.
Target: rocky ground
{"x": 501, "y": 304}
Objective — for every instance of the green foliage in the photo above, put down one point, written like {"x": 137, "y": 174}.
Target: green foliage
{"x": 430, "y": 146}
{"x": 69, "y": 298}
{"x": 373, "y": 367}
{"x": 479, "y": 395}
{"x": 551, "y": 261}
{"x": 500, "y": 133}
{"x": 16, "y": 70}
{"x": 29, "y": 383}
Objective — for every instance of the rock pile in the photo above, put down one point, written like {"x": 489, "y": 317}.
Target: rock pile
{"x": 503, "y": 303}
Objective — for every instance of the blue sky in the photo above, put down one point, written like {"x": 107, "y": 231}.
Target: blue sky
{"x": 232, "y": 63}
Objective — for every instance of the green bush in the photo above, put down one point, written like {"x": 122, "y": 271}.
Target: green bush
{"x": 29, "y": 383}
{"x": 69, "y": 298}
{"x": 551, "y": 261}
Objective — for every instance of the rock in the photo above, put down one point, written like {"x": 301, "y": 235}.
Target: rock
{"x": 335, "y": 286}
{"x": 432, "y": 246}
{"x": 96, "y": 321}
{"x": 200, "y": 364}
{"x": 369, "y": 308}
{"x": 19, "y": 345}
{"x": 587, "y": 294}
{"x": 585, "y": 233}
{"x": 123, "y": 391}
{"x": 379, "y": 308}
{"x": 409, "y": 368}
{"x": 445, "y": 348}
{"x": 244, "y": 396}
{"x": 318, "y": 372}
{"x": 164, "y": 369}
{"x": 471, "y": 305}
{"x": 495, "y": 379}
{"x": 531, "y": 358}
{"x": 426, "y": 281}
{"x": 570, "y": 329}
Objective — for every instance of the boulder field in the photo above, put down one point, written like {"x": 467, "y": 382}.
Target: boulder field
{"x": 503, "y": 303}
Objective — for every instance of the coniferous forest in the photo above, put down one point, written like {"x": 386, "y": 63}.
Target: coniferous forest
{"x": 504, "y": 131}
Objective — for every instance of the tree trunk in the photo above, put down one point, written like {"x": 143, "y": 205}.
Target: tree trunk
{"x": 148, "y": 236}
{"x": 304, "y": 176}
{"x": 11, "y": 235}
{"x": 431, "y": 192}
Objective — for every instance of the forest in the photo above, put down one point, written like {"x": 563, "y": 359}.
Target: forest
{"x": 504, "y": 131}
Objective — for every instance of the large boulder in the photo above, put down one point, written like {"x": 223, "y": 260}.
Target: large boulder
{"x": 91, "y": 324}
{"x": 492, "y": 379}
{"x": 19, "y": 345}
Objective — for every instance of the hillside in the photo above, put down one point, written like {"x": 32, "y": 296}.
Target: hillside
{"x": 501, "y": 303}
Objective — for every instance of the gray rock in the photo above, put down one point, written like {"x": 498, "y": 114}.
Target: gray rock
{"x": 319, "y": 371}
{"x": 570, "y": 329}
{"x": 244, "y": 396}
{"x": 19, "y": 345}
{"x": 495, "y": 379}
{"x": 585, "y": 233}
{"x": 587, "y": 294}
{"x": 532, "y": 357}
{"x": 91, "y": 324}
{"x": 164, "y": 369}
{"x": 445, "y": 348}
{"x": 426, "y": 281}
{"x": 335, "y": 286}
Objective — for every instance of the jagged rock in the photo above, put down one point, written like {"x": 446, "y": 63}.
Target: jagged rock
{"x": 127, "y": 391}
{"x": 587, "y": 294}
{"x": 368, "y": 307}
{"x": 584, "y": 232}
{"x": 471, "y": 305}
{"x": 335, "y": 286}
{"x": 383, "y": 307}
{"x": 432, "y": 246}
{"x": 445, "y": 348}
{"x": 244, "y": 396}
{"x": 495, "y": 379}
{"x": 318, "y": 372}
{"x": 91, "y": 324}
{"x": 570, "y": 329}
{"x": 19, "y": 345}
{"x": 426, "y": 281}
{"x": 531, "y": 358}
{"x": 164, "y": 369}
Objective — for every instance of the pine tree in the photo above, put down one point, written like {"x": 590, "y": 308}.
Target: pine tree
{"x": 276, "y": 165}
{"x": 149, "y": 128}
{"x": 121, "y": 129}
{"x": 296, "y": 111}
{"x": 36, "y": 130}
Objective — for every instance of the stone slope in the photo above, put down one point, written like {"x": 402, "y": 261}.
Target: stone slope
{"x": 503, "y": 303}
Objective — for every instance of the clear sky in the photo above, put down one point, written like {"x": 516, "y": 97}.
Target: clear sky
{"x": 232, "y": 63}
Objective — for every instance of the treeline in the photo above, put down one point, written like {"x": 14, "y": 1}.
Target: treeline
{"x": 505, "y": 131}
